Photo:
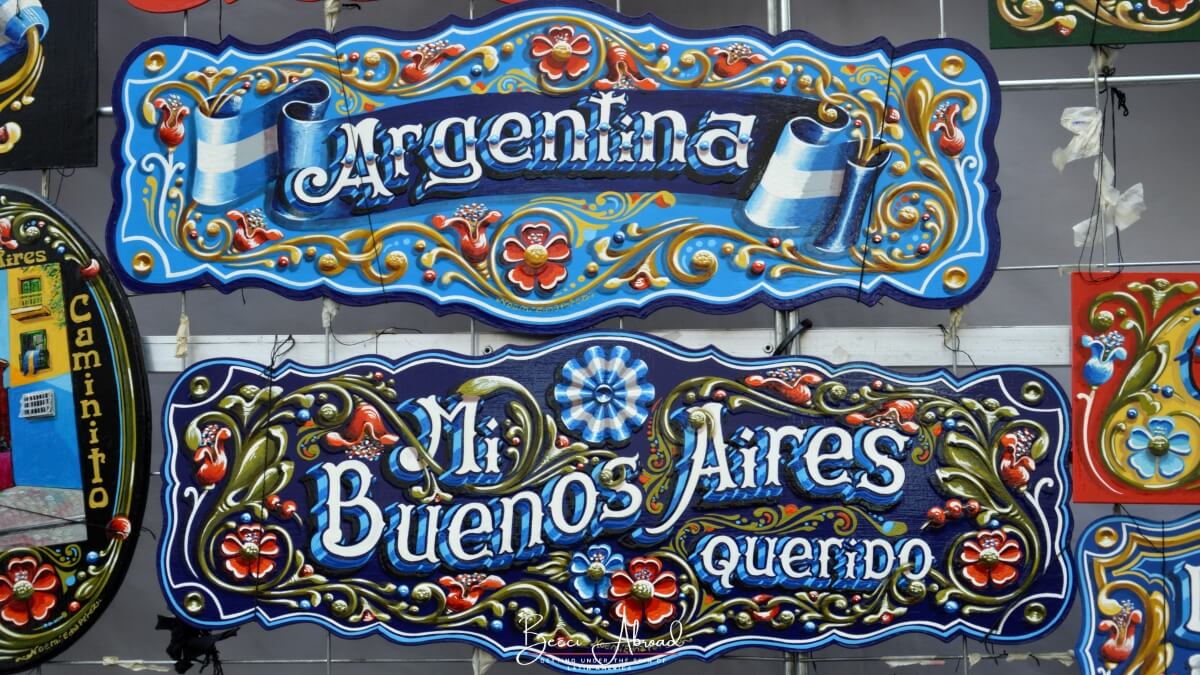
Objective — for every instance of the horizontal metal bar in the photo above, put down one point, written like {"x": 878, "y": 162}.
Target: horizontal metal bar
{"x": 1045, "y": 346}
{"x": 1057, "y": 83}
{"x": 1112, "y": 265}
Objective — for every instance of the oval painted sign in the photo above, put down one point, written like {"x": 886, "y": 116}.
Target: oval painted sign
{"x": 74, "y": 425}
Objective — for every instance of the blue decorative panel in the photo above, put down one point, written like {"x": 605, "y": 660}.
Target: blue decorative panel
{"x": 612, "y": 501}
{"x": 554, "y": 164}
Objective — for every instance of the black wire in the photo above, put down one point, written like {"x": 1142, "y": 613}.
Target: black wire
{"x": 956, "y": 347}
{"x": 887, "y": 97}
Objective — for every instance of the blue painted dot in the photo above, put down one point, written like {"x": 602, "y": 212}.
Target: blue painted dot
{"x": 619, "y": 238}
{"x": 476, "y": 70}
{"x": 1058, "y": 6}
{"x": 245, "y": 517}
{"x": 743, "y": 138}
{"x": 1168, "y": 391}
{"x": 493, "y": 139}
{"x": 471, "y": 140}
{"x": 722, "y": 629}
{"x": 92, "y": 557}
{"x": 949, "y": 424}
{"x": 648, "y": 135}
{"x": 596, "y": 611}
{"x": 70, "y": 581}
{"x": 304, "y": 415}
{"x": 1131, "y": 414}
{"x": 1138, "y": 6}
{"x": 1196, "y": 311}
{"x": 993, "y": 523}
{"x": 1154, "y": 388}
{"x": 581, "y": 134}
{"x": 61, "y": 250}
{"x": 810, "y": 627}
{"x": 402, "y": 591}
{"x": 951, "y": 606}
{"x": 438, "y": 145}
{"x": 550, "y": 133}
{"x": 603, "y": 127}
{"x": 304, "y": 604}
{"x": 497, "y": 625}
{"x": 704, "y": 145}
{"x": 681, "y": 134}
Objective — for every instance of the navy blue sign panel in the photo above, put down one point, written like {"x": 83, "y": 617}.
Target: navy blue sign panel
{"x": 554, "y": 164}
{"x": 612, "y": 501}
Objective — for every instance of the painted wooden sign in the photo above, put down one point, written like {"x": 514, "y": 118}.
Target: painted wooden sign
{"x": 1140, "y": 590}
{"x": 1053, "y": 23}
{"x": 554, "y": 164}
{"x": 1135, "y": 371}
{"x": 74, "y": 432}
{"x": 48, "y": 98}
{"x": 613, "y": 501}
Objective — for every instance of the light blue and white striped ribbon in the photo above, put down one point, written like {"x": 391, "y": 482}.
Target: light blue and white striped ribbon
{"x": 18, "y": 17}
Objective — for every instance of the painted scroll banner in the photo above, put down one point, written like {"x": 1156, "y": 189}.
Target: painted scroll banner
{"x": 612, "y": 501}
{"x": 1135, "y": 370}
{"x": 74, "y": 432}
{"x": 549, "y": 166}
{"x": 1051, "y": 23}
{"x": 1140, "y": 588}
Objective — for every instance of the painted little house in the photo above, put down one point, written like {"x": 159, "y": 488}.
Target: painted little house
{"x": 39, "y": 446}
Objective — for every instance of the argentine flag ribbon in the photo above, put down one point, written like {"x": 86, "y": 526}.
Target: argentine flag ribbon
{"x": 18, "y": 17}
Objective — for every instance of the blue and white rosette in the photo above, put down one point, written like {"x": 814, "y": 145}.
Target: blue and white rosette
{"x": 17, "y": 17}
{"x": 604, "y": 396}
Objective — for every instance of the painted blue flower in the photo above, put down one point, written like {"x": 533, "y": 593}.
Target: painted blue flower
{"x": 1157, "y": 448}
{"x": 590, "y": 571}
{"x": 1105, "y": 349}
{"x": 604, "y": 395}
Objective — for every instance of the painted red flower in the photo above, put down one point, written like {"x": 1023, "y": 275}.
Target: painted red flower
{"x": 210, "y": 455}
{"x": 171, "y": 112}
{"x": 537, "y": 256}
{"x": 622, "y": 72}
{"x": 464, "y": 590}
{"x": 27, "y": 590}
{"x": 250, "y": 552}
{"x": 6, "y": 234}
{"x": 426, "y": 59}
{"x": 952, "y": 141}
{"x": 1016, "y": 464}
{"x": 1122, "y": 634}
{"x": 897, "y": 414}
{"x": 793, "y": 384}
{"x": 733, "y": 60}
{"x": 470, "y": 221}
{"x": 251, "y": 230}
{"x": 1167, "y": 6}
{"x": 990, "y": 558}
{"x": 365, "y": 436}
{"x": 561, "y": 52}
{"x": 644, "y": 593}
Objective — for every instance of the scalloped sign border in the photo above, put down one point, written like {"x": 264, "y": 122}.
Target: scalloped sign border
{"x": 555, "y": 164}
{"x": 612, "y": 501}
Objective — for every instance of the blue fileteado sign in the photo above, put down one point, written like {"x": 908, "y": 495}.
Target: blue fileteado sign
{"x": 549, "y": 166}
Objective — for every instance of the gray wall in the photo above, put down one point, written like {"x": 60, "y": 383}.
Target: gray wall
{"x": 1158, "y": 142}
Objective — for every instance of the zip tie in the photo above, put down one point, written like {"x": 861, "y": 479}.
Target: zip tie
{"x": 332, "y": 9}
{"x": 184, "y": 333}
